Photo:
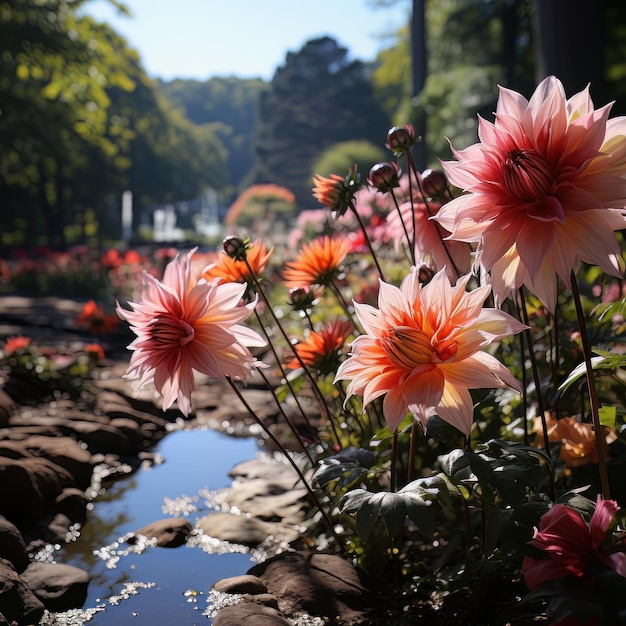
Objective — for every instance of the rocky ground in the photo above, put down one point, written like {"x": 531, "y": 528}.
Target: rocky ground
{"x": 57, "y": 452}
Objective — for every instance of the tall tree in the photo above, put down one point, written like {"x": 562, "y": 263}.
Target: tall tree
{"x": 318, "y": 98}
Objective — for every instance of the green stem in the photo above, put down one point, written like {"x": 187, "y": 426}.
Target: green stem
{"x": 368, "y": 241}
{"x": 290, "y": 460}
{"x": 593, "y": 394}
{"x": 540, "y": 406}
{"x": 307, "y": 371}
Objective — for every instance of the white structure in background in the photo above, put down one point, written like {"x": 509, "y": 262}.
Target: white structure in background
{"x": 207, "y": 222}
{"x": 127, "y": 216}
{"x": 165, "y": 225}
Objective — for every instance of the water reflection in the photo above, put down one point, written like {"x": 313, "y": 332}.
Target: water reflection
{"x": 158, "y": 586}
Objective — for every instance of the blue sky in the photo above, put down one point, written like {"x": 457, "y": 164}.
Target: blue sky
{"x": 245, "y": 38}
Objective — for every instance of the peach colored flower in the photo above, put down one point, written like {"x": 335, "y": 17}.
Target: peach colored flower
{"x": 321, "y": 350}
{"x": 230, "y": 270}
{"x": 422, "y": 350}
{"x": 577, "y": 439}
{"x": 318, "y": 263}
{"x": 185, "y": 325}
{"x": 571, "y": 546}
{"x": 545, "y": 190}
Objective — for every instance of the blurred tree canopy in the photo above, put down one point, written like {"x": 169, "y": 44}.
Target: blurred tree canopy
{"x": 318, "y": 98}
{"x": 227, "y": 108}
{"x": 79, "y": 123}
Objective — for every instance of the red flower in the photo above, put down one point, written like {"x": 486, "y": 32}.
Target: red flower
{"x": 572, "y": 547}
{"x": 13, "y": 344}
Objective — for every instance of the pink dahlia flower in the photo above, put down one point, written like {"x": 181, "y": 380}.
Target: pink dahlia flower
{"x": 184, "y": 324}
{"x": 546, "y": 190}
{"x": 422, "y": 350}
{"x": 572, "y": 547}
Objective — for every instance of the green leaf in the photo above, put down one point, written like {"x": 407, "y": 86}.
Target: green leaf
{"x": 608, "y": 416}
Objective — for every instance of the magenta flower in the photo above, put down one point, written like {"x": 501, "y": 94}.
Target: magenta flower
{"x": 422, "y": 350}
{"x": 545, "y": 190}
{"x": 572, "y": 547}
{"x": 185, "y": 325}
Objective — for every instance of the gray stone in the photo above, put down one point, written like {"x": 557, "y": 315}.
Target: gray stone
{"x": 64, "y": 452}
{"x": 241, "y": 584}
{"x": 28, "y": 486}
{"x": 324, "y": 585}
{"x": 243, "y": 530}
{"x": 59, "y": 586}
{"x": 12, "y": 546}
{"x": 18, "y": 604}
{"x": 249, "y": 613}
{"x": 169, "y": 533}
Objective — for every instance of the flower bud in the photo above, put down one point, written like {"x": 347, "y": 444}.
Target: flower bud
{"x": 400, "y": 139}
{"x": 384, "y": 176}
{"x": 235, "y": 247}
{"x": 425, "y": 274}
{"x": 434, "y": 183}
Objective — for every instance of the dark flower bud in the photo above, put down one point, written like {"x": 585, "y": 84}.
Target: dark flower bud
{"x": 434, "y": 183}
{"x": 425, "y": 274}
{"x": 302, "y": 299}
{"x": 235, "y": 247}
{"x": 400, "y": 139}
{"x": 384, "y": 176}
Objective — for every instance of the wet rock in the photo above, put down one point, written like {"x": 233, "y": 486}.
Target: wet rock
{"x": 60, "y": 587}
{"x": 72, "y": 503}
{"x": 7, "y": 408}
{"x": 102, "y": 438}
{"x": 243, "y": 530}
{"x": 28, "y": 486}
{"x": 169, "y": 533}
{"x": 58, "y": 529}
{"x": 12, "y": 546}
{"x": 241, "y": 584}
{"x": 65, "y": 452}
{"x": 324, "y": 585}
{"x": 18, "y": 604}
{"x": 249, "y": 613}
{"x": 270, "y": 500}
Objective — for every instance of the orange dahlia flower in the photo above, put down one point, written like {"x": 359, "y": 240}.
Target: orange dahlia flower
{"x": 422, "y": 350}
{"x": 545, "y": 190}
{"x": 318, "y": 262}
{"x": 183, "y": 325}
{"x": 230, "y": 270}
{"x": 321, "y": 350}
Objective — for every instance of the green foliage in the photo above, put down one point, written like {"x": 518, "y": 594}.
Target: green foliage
{"x": 225, "y": 107}
{"x": 341, "y": 157}
{"x": 317, "y": 99}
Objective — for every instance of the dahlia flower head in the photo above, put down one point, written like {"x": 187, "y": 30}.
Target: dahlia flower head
{"x": 422, "y": 349}
{"x": 185, "y": 325}
{"x": 572, "y": 547}
{"x": 545, "y": 188}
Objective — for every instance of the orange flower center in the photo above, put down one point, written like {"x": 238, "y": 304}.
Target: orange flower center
{"x": 527, "y": 176}
{"x": 407, "y": 347}
{"x": 171, "y": 332}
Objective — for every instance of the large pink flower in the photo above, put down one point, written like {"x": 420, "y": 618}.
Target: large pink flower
{"x": 546, "y": 190}
{"x": 422, "y": 350}
{"x": 183, "y": 325}
{"x": 572, "y": 548}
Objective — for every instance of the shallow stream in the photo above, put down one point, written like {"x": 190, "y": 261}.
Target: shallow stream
{"x": 157, "y": 586}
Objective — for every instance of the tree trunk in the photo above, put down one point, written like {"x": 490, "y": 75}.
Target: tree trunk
{"x": 569, "y": 37}
{"x": 419, "y": 69}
